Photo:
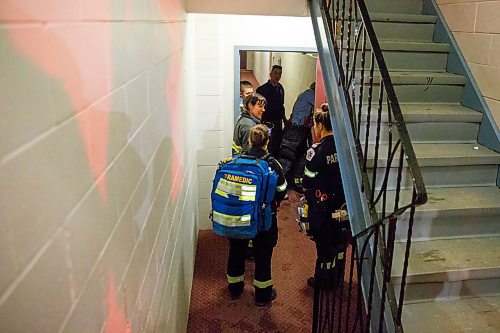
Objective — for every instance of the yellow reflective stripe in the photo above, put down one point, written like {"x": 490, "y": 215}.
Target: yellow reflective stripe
{"x": 243, "y": 192}
{"x": 237, "y": 148}
{"x": 282, "y": 188}
{"x": 309, "y": 173}
{"x": 235, "y": 279}
{"x": 262, "y": 284}
{"x": 328, "y": 265}
{"x": 221, "y": 193}
{"x": 298, "y": 180}
{"x": 231, "y": 220}
{"x": 340, "y": 255}
{"x": 250, "y": 243}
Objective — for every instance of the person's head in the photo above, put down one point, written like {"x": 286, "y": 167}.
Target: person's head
{"x": 321, "y": 118}
{"x": 275, "y": 74}
{"x": 259, "y": 136}
{"x": 246, "y": 89}
{"x": 255, "y": 104}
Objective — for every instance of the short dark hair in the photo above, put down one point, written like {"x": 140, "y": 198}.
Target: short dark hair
{"x": 276, "y": 67}
{"x": 322, "y": 116}
{"x": 313, "y": 86}
{"x": 245, "y": 84}
{"x": 254, "y": 99}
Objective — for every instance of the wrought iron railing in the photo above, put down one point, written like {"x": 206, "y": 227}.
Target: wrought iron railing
{"x": 391, "y": 180}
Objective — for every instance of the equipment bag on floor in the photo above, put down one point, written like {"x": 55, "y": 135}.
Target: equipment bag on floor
{"x": 241, "y": 196}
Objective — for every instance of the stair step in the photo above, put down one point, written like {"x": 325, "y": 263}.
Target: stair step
{"x": 480, "y": 314}
{"x": 413, "y": 46}
{"x": 407, "y": 31}
{"x": 452, "y": 212}
{"x": 438, "y": 154}
{"x": 400, "y": 6}
{"x": 399, "y": 77}
{"x": 438, "y": 268}
{"x": 407, "y": 56}
{"x": 402, "y": 18}
{"x": 422, "y": 113}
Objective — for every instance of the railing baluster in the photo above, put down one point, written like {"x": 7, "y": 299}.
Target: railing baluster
{"x": 368, "y": 116}
{"x": 347, "y": 84}
{"x": 361, "y": 85}
{"x": 377, "y": 140}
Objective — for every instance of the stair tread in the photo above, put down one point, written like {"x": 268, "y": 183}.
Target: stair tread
{"x": 458, "y": 200}
{"x": 480, "y": 314}
{"x": 414, "y": 113}
{"x": 409, "y": 45}
{"x": 454, "y": 150}
{"x": 444, "y": 154}
{"x": 402, "y": 18}
{"x": 450, "y": 259}
{"x": 420, "y": 77}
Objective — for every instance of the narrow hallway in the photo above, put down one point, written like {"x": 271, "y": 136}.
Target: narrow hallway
{"x": 212, "y": 310}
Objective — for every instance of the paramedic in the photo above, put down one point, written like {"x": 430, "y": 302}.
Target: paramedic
{"x": 265, "y": 241}
{"x": 324, "y": 194}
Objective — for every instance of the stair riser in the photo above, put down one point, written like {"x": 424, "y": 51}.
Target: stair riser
{"x": 425, "y": 132}
{"x": 400, "y": 60}
{"x": 422, "y": 292}
{"x": 436, "y": 225}
{"x": 400, "y": 6}
{"x": 442, "y": 176}
{"x": 418, "y": 93}
{"x": 404, "y": 31}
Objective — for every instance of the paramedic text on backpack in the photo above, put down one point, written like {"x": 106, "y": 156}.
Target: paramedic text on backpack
{"x": 265, "y": 241}
{"x": 325, "y": 195}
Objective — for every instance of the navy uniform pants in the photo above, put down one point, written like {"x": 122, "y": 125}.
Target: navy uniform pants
{"x": 263, "y": 244}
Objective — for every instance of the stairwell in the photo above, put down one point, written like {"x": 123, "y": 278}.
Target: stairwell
{"x": 453, "y": 282}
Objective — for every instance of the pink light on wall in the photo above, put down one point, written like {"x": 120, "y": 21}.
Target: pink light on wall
{"x": 171, "y": 10}
{"x": 320, "y": 96}
{"x": 116, "y": 321}
{"x": 77, "y": 57}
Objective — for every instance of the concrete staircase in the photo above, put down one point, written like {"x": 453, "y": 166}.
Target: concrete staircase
{"x": 453, "y": 283}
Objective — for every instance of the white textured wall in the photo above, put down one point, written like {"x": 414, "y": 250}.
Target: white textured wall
{"x": 254, "y": 7}
{"x": 216, "y": 38}
{"x": 476, "y": 27}
{"x": 299, "y": 71}
{"x": 261, "y": 66}
{"x": 97, "y": 178}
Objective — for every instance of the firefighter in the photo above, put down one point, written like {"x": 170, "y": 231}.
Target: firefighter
{"x": 265, "y": 241}
{"x": 255, "y": 105}
{"x": 325, "y": 195}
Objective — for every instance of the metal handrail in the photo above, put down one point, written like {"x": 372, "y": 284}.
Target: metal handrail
{"x": 351, "y": 34}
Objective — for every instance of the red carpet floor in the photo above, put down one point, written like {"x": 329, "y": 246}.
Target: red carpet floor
{"x": 212, "y": 310}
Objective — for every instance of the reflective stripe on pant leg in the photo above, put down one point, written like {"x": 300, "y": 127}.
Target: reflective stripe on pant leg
{"x": 235, "y": 279}
{"x": 262, "y": 284}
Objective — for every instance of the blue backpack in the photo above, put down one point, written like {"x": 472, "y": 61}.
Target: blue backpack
{"x": 242, "y": 192}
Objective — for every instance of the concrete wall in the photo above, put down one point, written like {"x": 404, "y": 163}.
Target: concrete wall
{"x": 299, "y": 71}
{"x": 216, "y": 39}
{"x": 476, "y": 28}
{"x": 98, "y": 198}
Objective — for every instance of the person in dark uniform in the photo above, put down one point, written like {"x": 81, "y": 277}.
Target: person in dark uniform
{"x": 265, "y": 241}
{"x": 274, "y": 93}
{"x": 325, "y": 196}
{"x": 296, "y": 138}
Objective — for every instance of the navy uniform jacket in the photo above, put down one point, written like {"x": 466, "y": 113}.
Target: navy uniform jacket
{"x": 322, "y": 172}
{"x": 275, "y": 100}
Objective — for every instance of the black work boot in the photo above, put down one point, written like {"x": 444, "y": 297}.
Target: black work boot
{"x": 267, "y": 299}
